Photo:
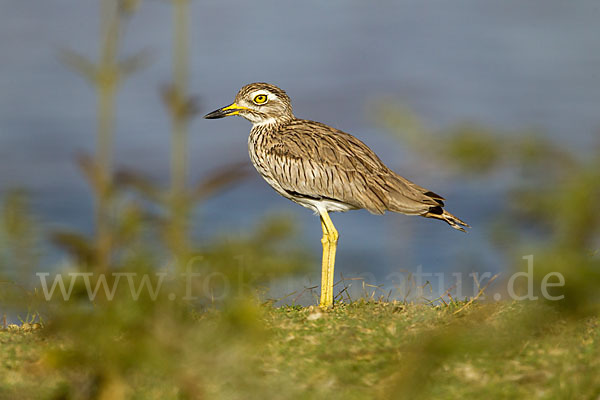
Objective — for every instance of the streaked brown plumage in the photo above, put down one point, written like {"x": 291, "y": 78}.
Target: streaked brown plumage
{"x": 323, "y": 168}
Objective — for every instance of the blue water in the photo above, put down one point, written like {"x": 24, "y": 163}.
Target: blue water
{"x": 507, "y": 64}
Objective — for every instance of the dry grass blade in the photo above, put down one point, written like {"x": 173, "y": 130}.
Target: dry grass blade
{"x": 481, "y": 290}
{"x": 306, "y": 289}
{"x": 441, "y": 297}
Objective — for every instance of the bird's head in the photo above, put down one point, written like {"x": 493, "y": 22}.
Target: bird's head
{"x": 260, "y": 103}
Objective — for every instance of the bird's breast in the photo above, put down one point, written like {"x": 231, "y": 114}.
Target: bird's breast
{"x": 258, "y": 142}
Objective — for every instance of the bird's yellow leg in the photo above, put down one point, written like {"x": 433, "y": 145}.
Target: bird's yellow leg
{"x": 324, "y": 266}
{"x": 332, "y": 238}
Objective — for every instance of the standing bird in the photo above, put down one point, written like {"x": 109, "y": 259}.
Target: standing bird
{"x": 324, "y": 169}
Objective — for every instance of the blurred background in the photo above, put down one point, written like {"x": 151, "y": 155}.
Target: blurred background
{"x": 106, "y": 167}
{"x": 508, "y": 66}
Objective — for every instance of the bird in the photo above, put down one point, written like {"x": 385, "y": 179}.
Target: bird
{"x": 324, "y": 169}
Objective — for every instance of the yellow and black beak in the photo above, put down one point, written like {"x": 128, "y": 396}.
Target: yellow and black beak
{"x": 232, "y": 109}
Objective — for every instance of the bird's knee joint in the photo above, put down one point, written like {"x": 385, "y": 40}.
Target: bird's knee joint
{"x": 333, "y": 237}
{"x": 324, "y": 240}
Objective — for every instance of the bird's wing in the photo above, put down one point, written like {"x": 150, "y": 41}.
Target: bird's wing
{"x": 314, "y": 160}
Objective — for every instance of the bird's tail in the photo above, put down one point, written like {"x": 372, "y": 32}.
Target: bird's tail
{"x": 439, "y": 213}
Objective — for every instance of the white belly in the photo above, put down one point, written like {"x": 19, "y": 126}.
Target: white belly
{"x": 323, "y": 204}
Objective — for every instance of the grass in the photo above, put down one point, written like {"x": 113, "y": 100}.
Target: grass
{"x": 21, "y": 364}
{"x": 361, "y": 350}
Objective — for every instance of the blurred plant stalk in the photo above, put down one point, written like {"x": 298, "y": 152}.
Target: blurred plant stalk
{"x": 107, "y": 81}
{"x": 105, "y": 76}
{"x": 181, "y": 109}
{"x": 117, "y": 225}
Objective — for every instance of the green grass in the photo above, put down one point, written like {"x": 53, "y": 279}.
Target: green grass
{"x": 358, "y": 351}
{"x": 361, "y": 350}
{"x": 21, "y": 366}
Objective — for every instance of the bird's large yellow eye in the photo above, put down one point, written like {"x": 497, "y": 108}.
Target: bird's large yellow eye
{"x": 260, "y": 99}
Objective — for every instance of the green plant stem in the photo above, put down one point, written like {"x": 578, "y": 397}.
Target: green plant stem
{"x": 106, "y": 87}
{"x": 179, "y": 138}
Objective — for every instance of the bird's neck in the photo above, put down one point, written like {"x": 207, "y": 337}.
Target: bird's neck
{"x": 271, "y": 123}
